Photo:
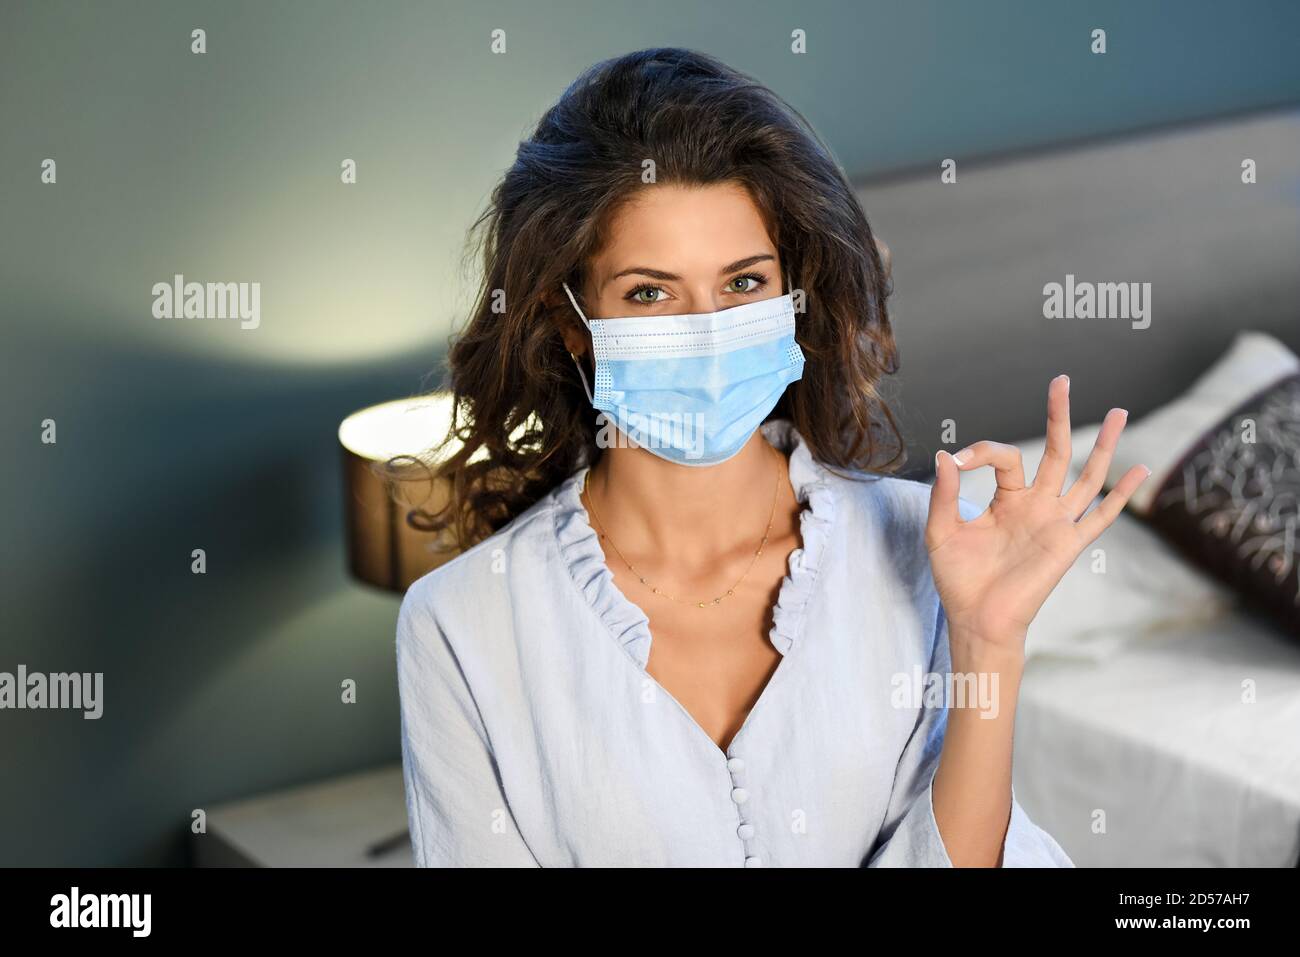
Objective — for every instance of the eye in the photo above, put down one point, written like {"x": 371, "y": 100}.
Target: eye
{"x": 749, "y": 282}
{"x": 646, "y": 294}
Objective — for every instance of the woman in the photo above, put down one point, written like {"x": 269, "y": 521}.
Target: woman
{"x": 693, "y": 614}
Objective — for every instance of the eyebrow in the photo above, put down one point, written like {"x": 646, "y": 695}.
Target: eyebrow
{"x": 672, "y": 277}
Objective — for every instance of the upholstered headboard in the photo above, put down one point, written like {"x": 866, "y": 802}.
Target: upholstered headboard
{"x": 971, "y": 259}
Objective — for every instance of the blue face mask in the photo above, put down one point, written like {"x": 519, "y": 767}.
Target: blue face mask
{"x": 692, "y": 389}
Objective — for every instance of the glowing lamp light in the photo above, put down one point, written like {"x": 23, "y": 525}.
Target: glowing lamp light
{"x": 383, "y": 549}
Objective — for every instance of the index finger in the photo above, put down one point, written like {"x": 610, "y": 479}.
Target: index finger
{"x": 1055, "y": 464}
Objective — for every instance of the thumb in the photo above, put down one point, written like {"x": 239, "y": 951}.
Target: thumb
{"x": 944, "y": 515}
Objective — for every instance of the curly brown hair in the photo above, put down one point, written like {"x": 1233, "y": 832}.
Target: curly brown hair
{"x": 522, "y": 422}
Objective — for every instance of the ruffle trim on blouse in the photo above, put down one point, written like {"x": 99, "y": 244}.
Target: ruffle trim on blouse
{"x": 811, "y": 487}
{"x": 582, "y": 555}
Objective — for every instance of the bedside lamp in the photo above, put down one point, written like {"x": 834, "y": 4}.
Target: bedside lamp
{"x": 383, "y": 549}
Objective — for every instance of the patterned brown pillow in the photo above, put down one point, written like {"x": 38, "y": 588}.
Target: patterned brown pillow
{"x": 1232, "y": 504}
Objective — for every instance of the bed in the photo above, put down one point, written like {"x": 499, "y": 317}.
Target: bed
{"x": 1159, "y": 721}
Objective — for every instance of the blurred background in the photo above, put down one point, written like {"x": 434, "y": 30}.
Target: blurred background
{"x": 175, "y": 435}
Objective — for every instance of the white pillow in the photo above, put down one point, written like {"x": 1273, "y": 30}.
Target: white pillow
{"x": 1139, "y": 586}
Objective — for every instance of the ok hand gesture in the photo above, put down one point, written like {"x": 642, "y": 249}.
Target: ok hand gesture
{"x": 995, "y": 571}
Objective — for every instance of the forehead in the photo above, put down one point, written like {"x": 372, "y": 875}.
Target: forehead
{"x": 684, "y": 229}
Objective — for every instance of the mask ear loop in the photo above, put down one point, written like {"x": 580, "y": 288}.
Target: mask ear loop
{"x": 586, "y": 387}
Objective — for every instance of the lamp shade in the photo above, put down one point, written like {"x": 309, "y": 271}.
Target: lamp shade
{"x": 385, "y": 475}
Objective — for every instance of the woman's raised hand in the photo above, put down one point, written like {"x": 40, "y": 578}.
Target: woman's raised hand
{"x": 995, "y": 571}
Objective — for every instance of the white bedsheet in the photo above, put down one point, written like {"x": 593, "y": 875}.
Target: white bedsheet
{"x": 1157, "y": 737}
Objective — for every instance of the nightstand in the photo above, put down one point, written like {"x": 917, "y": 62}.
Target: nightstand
{"x": 330, "y": 823}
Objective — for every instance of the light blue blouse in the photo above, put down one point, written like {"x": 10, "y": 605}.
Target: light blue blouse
{"x": 533, "y": 736}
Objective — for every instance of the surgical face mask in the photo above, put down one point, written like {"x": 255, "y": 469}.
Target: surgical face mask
{"x": 692, "y": 389}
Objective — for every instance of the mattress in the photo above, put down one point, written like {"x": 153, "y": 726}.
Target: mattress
{"x": 1180, "y": 749}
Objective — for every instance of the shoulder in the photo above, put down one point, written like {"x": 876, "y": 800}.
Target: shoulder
{"x": 473, "y": 585}
{"x": 881, "y": 522}
{"x": 897, "y": 508}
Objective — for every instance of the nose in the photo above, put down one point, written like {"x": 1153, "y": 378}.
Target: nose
{"x": 702, "y": 296}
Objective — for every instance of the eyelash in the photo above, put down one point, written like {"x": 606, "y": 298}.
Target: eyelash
{"x": 759, "y": 282}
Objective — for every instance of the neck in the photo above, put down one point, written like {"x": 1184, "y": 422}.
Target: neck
{"x": 648, "y": 504}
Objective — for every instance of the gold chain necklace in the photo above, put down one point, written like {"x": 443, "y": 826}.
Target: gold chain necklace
{"x": 586, "y": 481}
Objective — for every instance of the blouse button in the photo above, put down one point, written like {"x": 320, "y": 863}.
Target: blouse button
{"x": 739, "y": 795}
{"x": 753, "y": 862}
{"x": 735, "y": 764}
{"x": 746, "y": 831}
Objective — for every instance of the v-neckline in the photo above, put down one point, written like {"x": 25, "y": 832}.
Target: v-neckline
{"x": 630, "y": 623}
{"x": 763, "y": 694}
{"x": 781, "y": 666}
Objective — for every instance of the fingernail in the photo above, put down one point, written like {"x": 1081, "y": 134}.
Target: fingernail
{"x": 961, "y": 457}
{"x": 1123, "y": 412}
{"x": 1067, "y": 380}
{"x": 1147, "y": 470}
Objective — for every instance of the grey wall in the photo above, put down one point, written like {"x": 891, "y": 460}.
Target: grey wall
{"x": 1167, "y": 210}
{"x": 175, "y": 435}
